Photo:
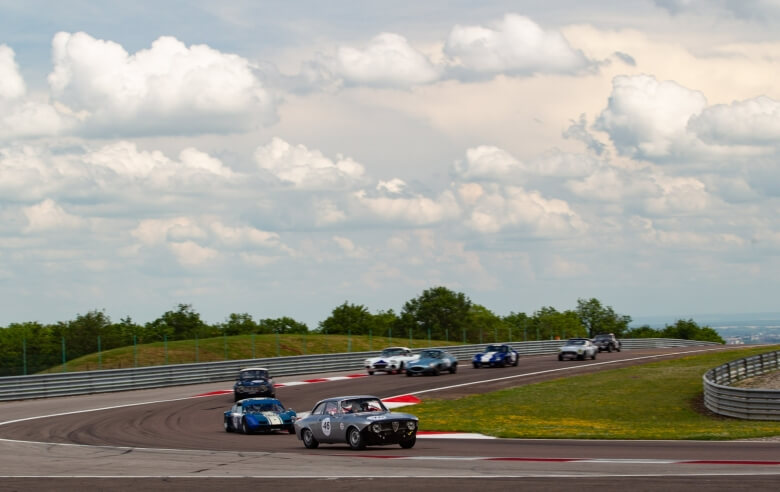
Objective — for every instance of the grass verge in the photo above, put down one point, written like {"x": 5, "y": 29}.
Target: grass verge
{"x": 235, "y": 348}
{"x": 660, "y": 400}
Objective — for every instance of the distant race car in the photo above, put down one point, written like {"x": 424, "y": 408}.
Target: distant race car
{"x": 432, "y": 361}
{"x": 259, "y": 415}
{"x": 607, "y": 342}
{"x": 391, "y": 360}
{"x": 578, "y": 348}
{"x": 496, "y": 356}
{"x": 359, "y": 421}
{"x": 253, "y": 381}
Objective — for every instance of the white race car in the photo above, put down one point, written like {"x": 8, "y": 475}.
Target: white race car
{"x": 392, "y": 360}
{"x": 578, "y": 348}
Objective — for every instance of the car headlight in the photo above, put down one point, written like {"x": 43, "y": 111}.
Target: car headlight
{"x": 376, "y": 427}
{"x": 579, "y": 351}
{"x": 410, "y": 425}
{"x": 432, "y": 364}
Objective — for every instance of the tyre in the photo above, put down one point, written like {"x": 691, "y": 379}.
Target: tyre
{"x": 401, "y": 368}
{"x": 291, "y": 429}
{"x": 517, "y": 361}
{"x": 242, "y": 426}
{"x": 436, "y": 371}
{"x": 593, "y": 357}
{"x": 355, "y": 439}
{"x": 228, "y": 427}
{"x": 454, "y": 368}
{"x": 476, "y": 365}
{"x": 408, "y": 374}
{"x": 581, "y": 357}
{"x": 408, "y": 443}
{"x": 560, "y": 357}
{"x": 609, "y": 348}
{"x": 308, "y": 439}
{"x": 236, "y": 397}
{"x": 370, "y": 372}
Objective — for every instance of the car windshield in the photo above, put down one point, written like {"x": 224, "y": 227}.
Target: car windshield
{"x": 392, "y": 351}
{"x": 359, "y": 405}
{"x": 603, "y": 337}
{"x": 253, "y": 374}
{"x": 493, "y": 348}
{"x": 264, "y": 407}
{"x": 430, "y": 354}
{"x": 576, "y": 341}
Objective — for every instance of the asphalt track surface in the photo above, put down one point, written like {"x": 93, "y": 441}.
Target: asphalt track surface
{"x": 172, "y": 439}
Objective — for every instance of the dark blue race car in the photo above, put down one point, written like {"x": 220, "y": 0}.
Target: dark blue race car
{"x": 253, "y": 381}
{"x": 496, "y": 356}
{"x": 259, "y": 415}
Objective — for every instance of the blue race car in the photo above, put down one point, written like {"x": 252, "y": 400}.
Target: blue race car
{"x": 496, "y": 356}
{"x": 253, "y": 381}
{"x": 432, "y": 361}
{"x": 259, "y": 415}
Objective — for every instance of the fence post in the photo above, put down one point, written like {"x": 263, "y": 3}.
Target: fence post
{"x": 135, "y": 351}
{"x": 165, "y": 347}
{"x": 64, "y": 368}
{"x": 100, "y": 355}
{"x": 224, "y": 343}
{"x": 24, "y": 355}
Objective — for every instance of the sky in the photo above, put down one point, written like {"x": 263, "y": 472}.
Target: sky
{"x": 281, "y": 158}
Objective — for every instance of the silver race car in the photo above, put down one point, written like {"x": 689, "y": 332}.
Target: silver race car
{"x": 359, "y": 421}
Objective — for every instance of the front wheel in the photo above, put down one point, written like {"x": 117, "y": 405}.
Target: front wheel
{"x": 309, "y": 440}
{"x": 476, "y": 365}
{"x": 228, "y": 428}
{"x": 370, "y": 372}
{"x": 291, "y": 429}
{"x": 355, "y": 439}
{"x": 517, "y": 361}
{"x": 408, "y": 443}
{"x": 454, "y": 368}
{"x": 593, "y": 357}
{"x": 408, "y": 374}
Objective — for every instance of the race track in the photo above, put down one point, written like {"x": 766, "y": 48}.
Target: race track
{"x": 169, "y": 438}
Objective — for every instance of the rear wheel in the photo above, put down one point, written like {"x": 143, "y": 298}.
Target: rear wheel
{"x": 228, "y": 428}
{"x": 355, "y": 439}
{"x": 560, "y": 357}
{"x": 370, "y": 372}
{"x": 454, "y": 368}
{"x": 517, "y": 360}
{"x": 593, "y": 357}
{"x": 476, "y": 365}
{"x": 408, "y": 374}
{"x": 436, "y": 371}
{"x": 308, "y": 439}
{"x": 609, "y": 348}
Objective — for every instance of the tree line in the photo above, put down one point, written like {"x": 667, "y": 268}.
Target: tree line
{"x": 437, "y": 314}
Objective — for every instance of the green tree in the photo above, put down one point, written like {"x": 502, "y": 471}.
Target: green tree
{"x": 283, "y": 325}
{"x": 484, "y": 326}
{"x": 643, "y": 331}
{"x": 182, "y": 324}
{"x": 599, "y": 319}
{"x": 520, "y": 324}
{"x": 347, "y": 318}
{"x": 439, "y": 310}
{"x": 239, "y": 324}
{"x": 690, "y": 330}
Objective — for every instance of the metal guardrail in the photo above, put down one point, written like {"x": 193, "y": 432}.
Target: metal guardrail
{"x": 109, "y": 380}
{"x": 744, "y": 403}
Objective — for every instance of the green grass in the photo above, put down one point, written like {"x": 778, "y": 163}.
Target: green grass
{"x": 233, "y": 348}
{"x": 661, "y": 400}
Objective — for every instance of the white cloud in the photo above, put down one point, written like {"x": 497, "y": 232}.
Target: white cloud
{"x": 11, "y": 82}
{"x": 515, "y": 44}
{"x": 307, "y": 169}
{"x": 387, "y": 61}
{"x": 49, "y": 216}
{"x": 189, "y": 253}
{"x": 416, "y": 210}
{"x": 488, "y": 162}
{"x": 500, "y": 208}
{"x": 168, "y": 88}
{"x": 648, "y": 119}
{"x": 161, "y": 231}
{"x": 244, "y": 236}
{"x": 752, "y": 122}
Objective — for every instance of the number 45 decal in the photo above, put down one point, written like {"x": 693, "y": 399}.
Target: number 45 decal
{"x": 326, "y": 427}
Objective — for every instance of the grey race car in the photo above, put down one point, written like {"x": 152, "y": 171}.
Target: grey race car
{"x": 359, "y": 421}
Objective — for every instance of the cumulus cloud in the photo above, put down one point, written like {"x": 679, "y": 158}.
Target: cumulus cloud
{"x": 515, "y": 44}
{"x": 307, "y": 169}
{"x": 496, "y": 208}
{"x": 189, "y": 253}
{"x": 387, "y": 61}
{"x": 168, "y": 88}
{"x": 488, "y": 163}
{"x": 415, "y": 210}
{"x": 11, "y": 82}
{"x": 646, "y": 118}
{"x": 752, "y": 122}
{"x": 49, "y": 216}
{"x": 745, "y": 9}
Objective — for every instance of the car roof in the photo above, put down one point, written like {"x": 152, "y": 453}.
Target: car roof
{"x": 393, "y": 348}
{"x": 349, "y": 397}
{"x": 254, "y": 369}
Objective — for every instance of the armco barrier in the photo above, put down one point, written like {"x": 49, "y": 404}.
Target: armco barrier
{"x": 79, "y": 383}
{"x": 744, "y": 403}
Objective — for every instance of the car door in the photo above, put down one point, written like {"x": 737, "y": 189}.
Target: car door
{"x": 322, "y": 428}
